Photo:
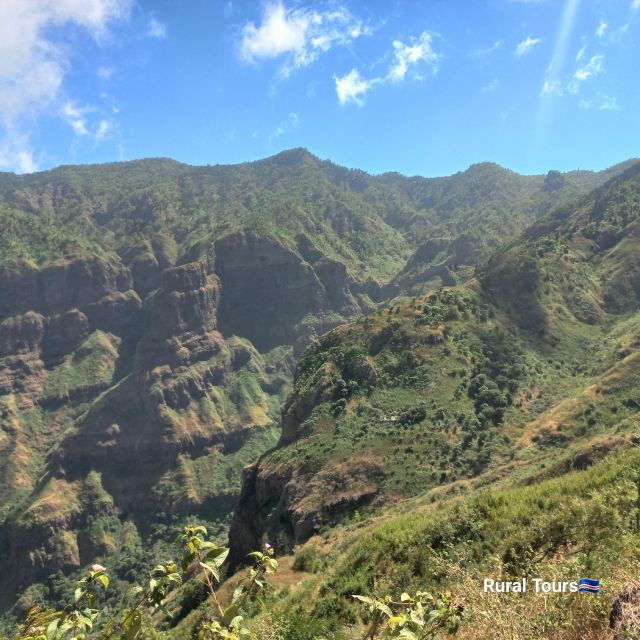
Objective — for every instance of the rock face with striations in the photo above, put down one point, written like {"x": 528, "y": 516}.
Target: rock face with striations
{"x": 46, "y": 314}
{"x": 275, "y": 295}
{"x": 169, "y": 394}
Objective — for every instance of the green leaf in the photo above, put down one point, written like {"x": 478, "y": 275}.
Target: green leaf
{"x": 52, "y": 630}
{"x": 218, "y": 556}
{"x": 212, "y": 569}
{"x": 133, "y": 624}
{"x": 187, "y": 559}
{"x": 135, "y": 590}
{"x": 230, "y": 613}
{"x": 238, "y": 593}
{"x": 104, "y": 579}
{"x": 380, "y": 606}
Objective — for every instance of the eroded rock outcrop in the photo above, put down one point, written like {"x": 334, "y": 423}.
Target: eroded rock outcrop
{"x": 289, "y": 504}
{"x": 46, "y": 314}
{"x": 267, "y": 289}
{"x": 275, "y": 295}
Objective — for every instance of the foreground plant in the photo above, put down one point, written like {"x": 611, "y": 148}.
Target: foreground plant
{"x": 417, "y": 617}
{"x": 201, "y": 560}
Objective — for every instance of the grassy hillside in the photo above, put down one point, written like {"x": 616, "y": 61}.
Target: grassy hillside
{"x": 581, "y": 524}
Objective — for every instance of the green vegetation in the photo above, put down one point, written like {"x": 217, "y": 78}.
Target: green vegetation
{"x": 580, "y": 524}
{"x": 92, "y": 366}
{"x": 150, "y": 609}
{"x": 479, "y": 427}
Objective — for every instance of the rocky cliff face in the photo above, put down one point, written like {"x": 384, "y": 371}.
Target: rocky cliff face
{"x": 137, "y": 372}
{"x": 273, "y": 294}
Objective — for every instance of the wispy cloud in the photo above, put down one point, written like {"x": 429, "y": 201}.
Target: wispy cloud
{"x": 411, "y": 58}
{"x": 78, "y": 119}
{"x": 351, "y": 88}
{"x": 635, "y": 5}
{"x": 526, "y": 45}
{"x": 299, "y": 35}
{"x": 106, "y": 73}
{"x": 103, "y": 130}
{"x": 481, "y": 52}
{"x": 552, "y": 83}
{"x": 286, "y": 126}
{"x": 593, "y": 68}
{"x": 552, "y": 87}
{"x": 418, "y": 50}
{"x": 490, "y": 86}
{"x": 602, "y": 29}
{"x": 33, "y": 65}
{"x": 602, "y": 102}
{"x": 156, "y": 29}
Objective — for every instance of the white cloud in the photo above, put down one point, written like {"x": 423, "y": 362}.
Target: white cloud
{"x": 76, "y": 118}
{"x": 602, "y": 102}
{"x": 526, "y": 45}
{"x": 602, "y": 28}
{"x": 593, "y": 68}
{"x": 105, "y": 73}
{"x": 300, "y": 35}
{"x": 15, "y": 153}
{"x": 352, "y": 87}
{"x": 581, "y": 53}
{"x": 635, "y": 5}
{"x": 157, "y": 29}
{"x": 406, "y": 55}
{"x": 33, "y": 64}
{"x": 103, "y": 130}
{"x": 485, "y": 51}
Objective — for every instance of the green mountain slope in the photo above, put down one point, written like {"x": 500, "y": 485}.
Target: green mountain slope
{"x": 501, "y": 377}
{"x": 151, "y": 314}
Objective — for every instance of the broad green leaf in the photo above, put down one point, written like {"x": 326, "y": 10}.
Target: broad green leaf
{"x": 230, "y": 613}
{"x": 380, "y": 606}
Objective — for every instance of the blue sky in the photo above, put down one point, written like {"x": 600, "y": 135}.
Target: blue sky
{"x": 422, "y": 87}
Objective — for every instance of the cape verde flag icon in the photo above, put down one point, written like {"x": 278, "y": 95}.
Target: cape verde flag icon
{"x": 587, "y": 585}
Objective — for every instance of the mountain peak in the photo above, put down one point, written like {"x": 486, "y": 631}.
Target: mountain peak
{"x": 485, "y": 167}
{"x": 292, "y": 157}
